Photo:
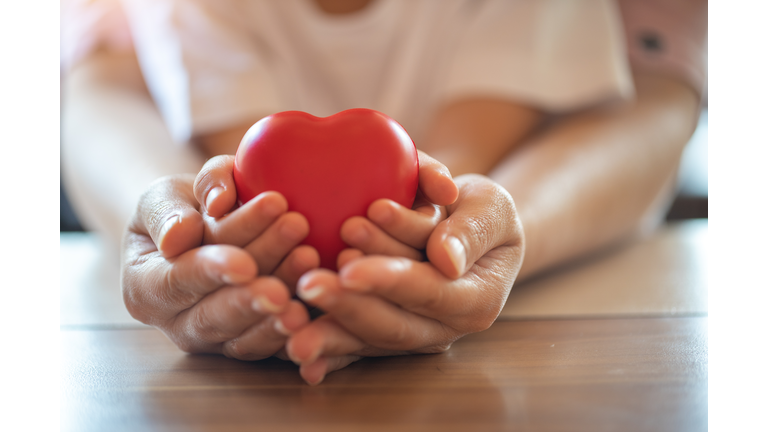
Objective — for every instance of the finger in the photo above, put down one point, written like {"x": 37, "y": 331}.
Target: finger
{"x": 435, "y": 181}
{"x": 314, "y": 373}
{"x": 411, "y": 227}
{"x": 181, "y": 282}
{"x": 469, "y": 304}
{"x": 247, "y": 222}
{"x": 347, "y": 255}
{"x": 322, "y": 337}
{"x": 214, "y": 186}
{"x": 416, "y": 287}
{"x": 299, "y": 261}
{"x": 292, "y": 319}
{"x": 268, "y": 336}
{"x": 228, "y": 312}
{"x": 168, "y": 213}
{"x": 360, "y": 233}
{"x": 482, "y": 218}
{"x": 272, "y": 246}
{"x": 370, "y": 318}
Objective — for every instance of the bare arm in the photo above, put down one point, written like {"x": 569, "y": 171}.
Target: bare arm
{"x": 114, "y": 141}
{"x": 224, "y": 141}
{"x": 471, "y": 136}
{"x": 600, "y": 176}
{"x": 582, "y": 183}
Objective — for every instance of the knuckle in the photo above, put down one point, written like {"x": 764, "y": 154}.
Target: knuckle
{"x": 203, "y": 328}
{"x": 493, "y": 215}
{"x": 135, "y": 294}
{"x": 174, "y": 292}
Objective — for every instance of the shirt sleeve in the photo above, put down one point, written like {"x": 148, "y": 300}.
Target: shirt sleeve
{"x": 201, "y": 63}
{"x": 555, "y": 55}
{"x": 668, "y": 37}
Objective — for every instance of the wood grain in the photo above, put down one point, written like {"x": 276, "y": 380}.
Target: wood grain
{"x": 645, "y": 374}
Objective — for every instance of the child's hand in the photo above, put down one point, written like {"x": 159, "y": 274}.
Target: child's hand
{"x": 262, "y": 226}
{"x": 206, "y": 299}
{"x": 380, "y": 305}
{"x": 393, "y": 230}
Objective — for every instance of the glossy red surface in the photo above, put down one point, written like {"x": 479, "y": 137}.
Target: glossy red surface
{"x": 329, "y": 169}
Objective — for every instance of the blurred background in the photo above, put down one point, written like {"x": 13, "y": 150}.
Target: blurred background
{"x": 84, "y": 25}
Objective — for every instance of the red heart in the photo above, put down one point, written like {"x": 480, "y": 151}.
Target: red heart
{"x": 329, "y": 169}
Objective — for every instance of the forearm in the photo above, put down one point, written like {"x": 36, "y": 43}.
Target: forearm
{"x": 114, "y": 141}
{"x": 471, "y": 136}
{"x": 601, "y": 176}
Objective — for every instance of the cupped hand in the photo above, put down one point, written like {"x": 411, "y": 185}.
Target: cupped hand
{"x": 393, "y": 230}
{"x": 205, "y": 298}
{"x": 380, "y": 305}
{"x": 263, "y": 226}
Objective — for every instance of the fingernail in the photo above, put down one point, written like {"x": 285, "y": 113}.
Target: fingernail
{"x": 456, "y": 253}
{"x": 309, "y": 294}
{"x": 234, "y": 278}
{"x": 173, "y": 220}
{"x": 212, "y": 194}
{"x": 280, "y": 328}
{"x": 264, "y": 305}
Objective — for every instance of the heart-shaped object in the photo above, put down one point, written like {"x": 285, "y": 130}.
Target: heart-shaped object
{"x": 329, "y": 169}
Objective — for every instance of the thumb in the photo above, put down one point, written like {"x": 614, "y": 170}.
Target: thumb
{"x": 482, "y": 219}
{"x": 214, "y": 186}
{"x": 168, "y": 213}
{"x": 435, "y": 182}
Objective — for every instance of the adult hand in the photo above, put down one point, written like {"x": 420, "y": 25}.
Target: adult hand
{"x": 380, "y": 305}
{"x": 206, "y": 299}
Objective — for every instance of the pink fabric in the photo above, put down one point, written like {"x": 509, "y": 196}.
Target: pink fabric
{"x": 668, "y": 36}
{"x": 89, "y": 25}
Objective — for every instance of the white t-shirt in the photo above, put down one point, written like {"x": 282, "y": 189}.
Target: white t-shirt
{"x": 213, "y": 64}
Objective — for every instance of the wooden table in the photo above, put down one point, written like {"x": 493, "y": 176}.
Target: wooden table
{"x": 579, "y": 365}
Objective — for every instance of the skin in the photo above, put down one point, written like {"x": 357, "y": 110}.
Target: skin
{"x": 217, "y": 278}
{"x": 421, "y": 307}
{"x": 579, "y": 184}
{"x": 619, "y": 164}
{"x": 114, "y": 142}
